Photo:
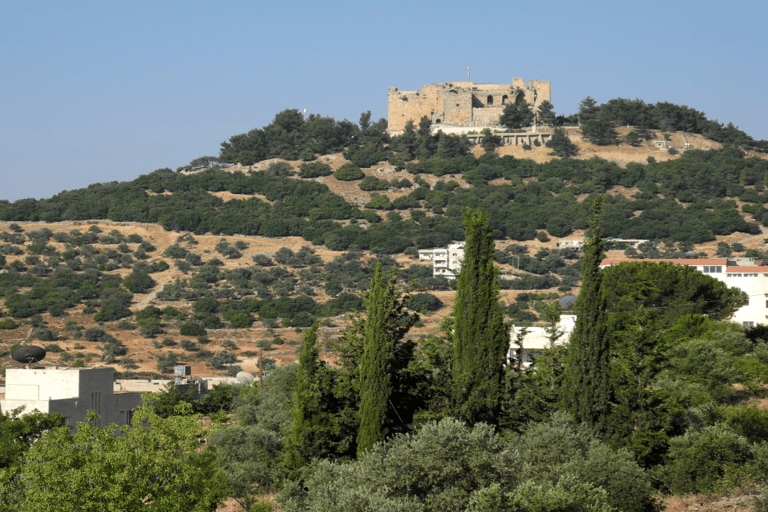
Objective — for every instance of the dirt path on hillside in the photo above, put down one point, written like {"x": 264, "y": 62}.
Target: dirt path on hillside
{"x": 764, "y": 232}
{"x": 143, "y": 303}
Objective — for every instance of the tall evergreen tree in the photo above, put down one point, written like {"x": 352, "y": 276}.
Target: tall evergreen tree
{"x": 310, "y": 435}
{"x": 588, "y": 110}
{"x": 561, "y": 144}
{"x": 546, "y": 113}
{"x": 480, "y": 335}
{"x": 587, "y": 385}
{"x": 516, "y": 116}
{"x": 386, "y": 322}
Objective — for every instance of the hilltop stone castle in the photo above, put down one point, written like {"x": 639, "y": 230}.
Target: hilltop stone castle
{"x": 462, "y": 103}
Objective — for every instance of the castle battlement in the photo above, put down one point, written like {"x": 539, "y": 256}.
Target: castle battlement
{"x": 462, "y": 103}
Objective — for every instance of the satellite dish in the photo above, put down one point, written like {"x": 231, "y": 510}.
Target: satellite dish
{"x": 567, "y": 301}
{"x": 29, "y": 354}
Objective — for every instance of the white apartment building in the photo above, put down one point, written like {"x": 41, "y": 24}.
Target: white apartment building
{"x": 69, "y": 391}
{"x": 445, "y": 262}
{"x": 751, "y": 280}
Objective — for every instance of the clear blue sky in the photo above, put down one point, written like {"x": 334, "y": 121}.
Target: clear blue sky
{"x": 100, "y": 91}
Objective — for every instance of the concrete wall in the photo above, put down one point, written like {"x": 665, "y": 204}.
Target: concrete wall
{"x": 42, "y": 384}
{"x": 69, "y": 391}
{"x": 754, "y": 282}
{"x": 155, "y": 385}
{"x": 514, "y": 139}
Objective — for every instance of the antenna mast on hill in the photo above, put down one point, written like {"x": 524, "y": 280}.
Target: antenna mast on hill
{"x": 469, "y": 76}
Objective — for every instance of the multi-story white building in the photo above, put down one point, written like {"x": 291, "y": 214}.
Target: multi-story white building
{"x": 69, "y": 391}
{"x": 445, "y": 262}
{"x": 751, "y": 280}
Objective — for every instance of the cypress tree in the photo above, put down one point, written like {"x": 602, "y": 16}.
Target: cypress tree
{"x": 309, "y": 437}
{"x": 480, "y": 335}
{"x": 587, "y": 384}
{"x": 386, "y": 322}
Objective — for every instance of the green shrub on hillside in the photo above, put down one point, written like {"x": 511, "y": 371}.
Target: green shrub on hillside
{"x": 314, "y": 170}
{"x": 192, "y": 329}
{"x": 364, "y": 156}
{"x": 370, "y": 183}
{"x": 139, "y": 282}
{"x": 699, "y": 459}
{"x": 379, "y": 202}
{"x": 348, "y": 172}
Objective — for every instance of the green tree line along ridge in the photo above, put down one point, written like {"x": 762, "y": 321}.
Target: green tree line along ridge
{"x": 687, "y": 199}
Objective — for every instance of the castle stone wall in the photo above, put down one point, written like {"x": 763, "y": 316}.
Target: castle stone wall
{"x": 457, "y": 107}
{"x": 488, "y": 116}
{"x": 462, "y": 103}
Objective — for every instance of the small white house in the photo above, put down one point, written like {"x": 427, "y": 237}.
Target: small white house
{"x": 69, "y": 391}
{"x": 536, "y": 339}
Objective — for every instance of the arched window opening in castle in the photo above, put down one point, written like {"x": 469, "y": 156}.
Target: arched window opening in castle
{"x": 490, "y": 100}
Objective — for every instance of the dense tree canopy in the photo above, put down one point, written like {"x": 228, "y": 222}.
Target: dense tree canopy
{"x": 155, "y": 464}
{"x": 517, "y": 208}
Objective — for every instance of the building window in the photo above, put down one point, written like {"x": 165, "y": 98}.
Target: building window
{"x": 710, "y": 269}
{"x": 490, "y": 100}
{"x": 504, "y": 99}
{"x": 747, "y": 324}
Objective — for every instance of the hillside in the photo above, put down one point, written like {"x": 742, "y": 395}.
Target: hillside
{"x": 255, "y": 252}
{"x": 310, "y": 279}
{"x": 209, "y": 266}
